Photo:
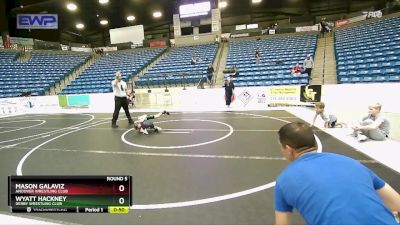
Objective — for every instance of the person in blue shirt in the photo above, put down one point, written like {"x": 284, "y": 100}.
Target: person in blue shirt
{"x": 327, "y": 188}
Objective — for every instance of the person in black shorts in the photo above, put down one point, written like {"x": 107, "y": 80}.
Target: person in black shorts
{"x": 145, "y": 122}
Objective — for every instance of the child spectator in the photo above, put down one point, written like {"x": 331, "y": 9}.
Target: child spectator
{"x": 330, "y": 119}
{"x": 130, "y": 95}
{"x": 374, "y": 126}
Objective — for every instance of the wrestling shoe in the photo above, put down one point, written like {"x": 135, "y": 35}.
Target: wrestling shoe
{"x": 165, "y": 112}
{"x": 361, "y": 138}
{"x": 157, "y": 129}
{"x": 113, "y": 125}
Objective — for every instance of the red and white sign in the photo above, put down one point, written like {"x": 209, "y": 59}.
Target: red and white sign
{"x": 158, "y": 43}
{"x": 341, "y": 23}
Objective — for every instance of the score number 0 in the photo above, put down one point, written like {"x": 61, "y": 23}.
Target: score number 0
{"x": 121, "y": 200}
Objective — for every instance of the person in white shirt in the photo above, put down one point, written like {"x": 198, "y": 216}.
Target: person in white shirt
{"x": 308, "y": 65}
{"x": 119, "y": 89}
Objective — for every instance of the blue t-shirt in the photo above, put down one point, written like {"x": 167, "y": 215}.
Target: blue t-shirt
{"x": 328, "y": 188}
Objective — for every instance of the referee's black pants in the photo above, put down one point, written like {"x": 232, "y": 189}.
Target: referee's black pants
{"x": 121, "y": 102}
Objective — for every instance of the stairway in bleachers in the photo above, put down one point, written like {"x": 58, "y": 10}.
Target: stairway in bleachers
{"x": 43, "y": 70}
{"x": 278, "y": 56}
{"x": 56, "y": 89}
{"x": 176, "y": 69}
{"x": 97, "y": 78}
{"x": 219, "y": 70}
{"x": 324, "y": 71}
{"x": 369, "y": 52}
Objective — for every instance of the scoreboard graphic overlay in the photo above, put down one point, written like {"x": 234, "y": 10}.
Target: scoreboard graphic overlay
{"x": 77, "y": 194}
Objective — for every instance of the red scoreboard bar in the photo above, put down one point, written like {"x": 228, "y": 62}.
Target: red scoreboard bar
{"x": 86, "y": 194}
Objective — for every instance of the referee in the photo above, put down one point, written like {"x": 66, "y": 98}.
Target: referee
{"x": 119, "y": 90}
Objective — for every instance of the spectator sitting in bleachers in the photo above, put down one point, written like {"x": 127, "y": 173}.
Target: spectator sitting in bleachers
{"x": 296, "y": 70}
{"x": 235, "y": 71}
{"x": 194, "y": 60}
{"x": 258, "y": 56}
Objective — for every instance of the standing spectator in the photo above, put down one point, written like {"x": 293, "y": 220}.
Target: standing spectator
{"x": 258, "y": 56}
{"x": 374, "y": 126}
{"x": 327, "y": 188}
{"x": 324, "y": 26}
{"x": 120, "y": 98}
{"x": 229, "y": 87}
{"x": 308, "y": 65}
{"x": 210, "y": 74}
{"x": 216, "y": 39}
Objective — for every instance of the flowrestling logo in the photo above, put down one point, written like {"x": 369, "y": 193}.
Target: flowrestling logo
{"x": 37, "y": 21}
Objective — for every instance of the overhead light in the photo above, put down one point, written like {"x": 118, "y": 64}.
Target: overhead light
{"x": 80, "y": 25}
{"x": 103, "y": 1}
{"x": 256, "y": 1}
{"x": 71, "y": 6}
{"x": 103, "y": 22}
{"x": 130, "y": 18}
{"x": 157, "y": 14}
{"x": 223, "y": 4}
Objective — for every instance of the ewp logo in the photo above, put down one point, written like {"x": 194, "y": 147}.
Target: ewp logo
{"x": 37, "y": 21}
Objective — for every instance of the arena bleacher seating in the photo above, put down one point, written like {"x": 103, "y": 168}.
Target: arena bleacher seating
{"x": 369, "y": 52}
{"x": 97, "y": 78}
{"x": 43, "y": 70}
{"x": 176, "y": 67}
{"x": 278, "y": 56}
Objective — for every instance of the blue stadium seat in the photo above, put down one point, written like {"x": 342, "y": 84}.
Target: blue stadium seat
{"x": 372, "y": 47}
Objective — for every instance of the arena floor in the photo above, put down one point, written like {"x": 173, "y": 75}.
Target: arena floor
{"x": 203, "y": 168}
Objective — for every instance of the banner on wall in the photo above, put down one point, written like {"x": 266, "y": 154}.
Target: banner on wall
{"x": 215, "y": 20}
{"x": 375, "y": 14}
{"x": 73, "y": 101}
{"x": 245, "y": 97}
{"x": 310, "y": 93}
{"x": 158, "y": 43}
{"x": 283, "y": 95}
{"x": 64, "y": 47}
{"x": 22, "y": 41}
{"x": 106, "y": 48}
{"x": 341, "y": 23}
{"x": 307, "y": 28}
{"x": 240, "y": 35}
{"x": 9, "y": 106}
{"x": 177, "y": 25}
{"x": 78, "y": 49}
